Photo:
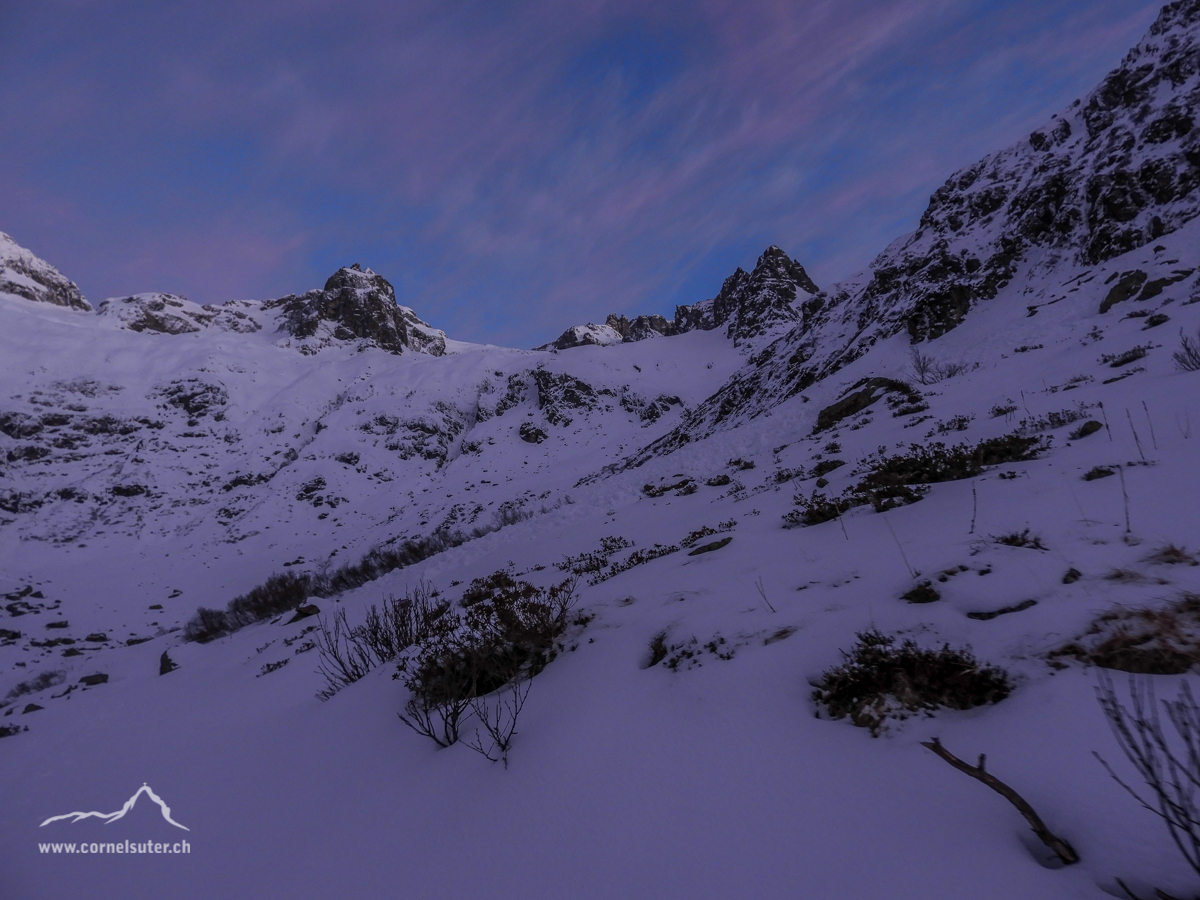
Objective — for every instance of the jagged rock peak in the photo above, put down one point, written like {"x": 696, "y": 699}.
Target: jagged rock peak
{"x": 356, "y": 304}
{"x": 24, "y": 275}
{"x": 752, "y": 303}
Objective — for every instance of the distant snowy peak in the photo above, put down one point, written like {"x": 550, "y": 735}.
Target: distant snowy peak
{"x": 356, "y": 304}
{"x": 170, "y": 314}
{"x": 24, "y": 275}
{"x": 589, "y": 335}
{"x": 749, "y": 305}
{"x": 752, "y": 304}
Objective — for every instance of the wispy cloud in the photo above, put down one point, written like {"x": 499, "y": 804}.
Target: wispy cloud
{"x": 513, "y": 166}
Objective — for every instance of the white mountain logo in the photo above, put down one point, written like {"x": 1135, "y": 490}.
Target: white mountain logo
{"x": 111, "y": 817}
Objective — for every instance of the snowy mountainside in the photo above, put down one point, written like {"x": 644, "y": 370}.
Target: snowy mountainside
{"x": 673, "y": 747}
{"x": 24, "y": 275}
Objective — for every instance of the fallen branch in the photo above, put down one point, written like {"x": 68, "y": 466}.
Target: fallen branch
{"x": 1061, "y": 848}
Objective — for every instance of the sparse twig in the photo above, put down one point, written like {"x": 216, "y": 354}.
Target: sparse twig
{"x": 763, "y": 593}
{"x": 1062, "y": 849}
{"x": 498, "y": 714}
{"x": 911, "y": 571}
{"x": 1136, "y": 439}
{"x": 974, "y": 507}
{"x": 1150, "y": 422}
{"x": 1124, "y": 496}
{"x": 1107, "y": 429}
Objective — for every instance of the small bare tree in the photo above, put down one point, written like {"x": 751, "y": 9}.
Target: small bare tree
{"x": 1169, "y": 767}
{"x": 924, "y": 367}
{"x": 498, "y": 713}
{"x": 1187, "y": 357}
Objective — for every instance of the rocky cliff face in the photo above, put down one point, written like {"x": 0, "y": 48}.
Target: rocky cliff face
{"x": 357, "y": 304}
{"x": 24, "y": 275}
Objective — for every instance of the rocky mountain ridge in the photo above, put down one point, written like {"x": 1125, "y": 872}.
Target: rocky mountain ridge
{"x": 749, "y": 305}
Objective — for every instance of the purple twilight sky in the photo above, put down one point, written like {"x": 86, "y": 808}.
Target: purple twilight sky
{"x": 512, "y": 166}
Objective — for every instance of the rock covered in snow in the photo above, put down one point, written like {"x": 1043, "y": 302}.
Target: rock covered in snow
{"x": 357, "y": 304}
{"x": 589, "y": 335}
{"x": 24, "y": 275}
{"x": 172, "y": 314}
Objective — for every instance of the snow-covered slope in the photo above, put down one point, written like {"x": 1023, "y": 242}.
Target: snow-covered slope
{"x": 24, "y": 275}
{"x": 163, "y": 456}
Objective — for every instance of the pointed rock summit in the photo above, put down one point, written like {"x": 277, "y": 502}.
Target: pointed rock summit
{"x": 24, "y": 275}
{"x": 751, "y": 304}
{"x": 358, "y": 304}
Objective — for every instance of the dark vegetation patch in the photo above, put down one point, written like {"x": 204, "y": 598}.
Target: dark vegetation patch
{"x": 924, "y": 592}
{"x": 1023, "y": 538}
{"x": 595, "y": 560}
{"x": 285, "y": 591}
{"x": 1098, "y": 472}
{"x": 1003, "y": 611}
{"x": 38, "y": 683}
{"x": 1087, "y": 428}
{"x": 1116, "y": 360}
{"x": 709, "y": 548}
{"x": 1150, "y": 640}
{"x": 880, "y": 680}
{"x": 509, "y": 636}
{"x": 863, "y": 394}
{"x": 891, "y": 481}
{"x": 1170, "y": 555}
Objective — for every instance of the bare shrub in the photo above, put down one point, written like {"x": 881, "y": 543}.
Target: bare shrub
{"x": 498, "y": 713}
{"x": 348, "y": 653}
{"x": 928, "y": 370}
{"x": 1187, "y": 357}
{"x": 1169, "y": 766}
{"x": 508, "y": 632}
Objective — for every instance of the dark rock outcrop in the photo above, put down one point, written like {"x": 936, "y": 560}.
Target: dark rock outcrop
{"x": 357, "y": 304}
{"x": 641, "y": 328}
{"x": 24, "y": 275}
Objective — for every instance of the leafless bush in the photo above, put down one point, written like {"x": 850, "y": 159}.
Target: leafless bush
{"x": 497, "y": 713}
{"x": 1170, "y": 767}
{"x": 347, "y": 653}
{"x": 928, "y": 370}
{"x": 1187, "y": 357}
{"x": 508, "y": 633}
